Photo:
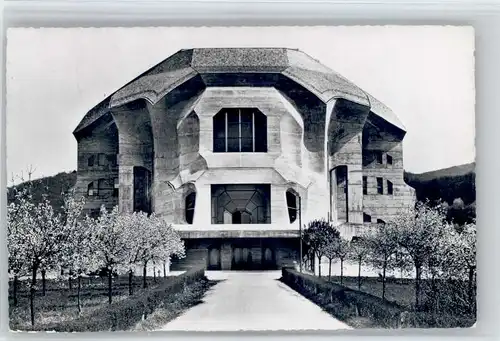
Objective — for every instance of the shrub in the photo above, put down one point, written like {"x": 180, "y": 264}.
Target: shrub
{"x": 124, "y": 314}
{"x": 347, "y": 304}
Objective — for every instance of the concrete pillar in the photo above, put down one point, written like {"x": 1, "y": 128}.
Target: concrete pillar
{"x": 126, "y": 188}
{"x": 203, "y": 207}
{"x": 226, "y": 256}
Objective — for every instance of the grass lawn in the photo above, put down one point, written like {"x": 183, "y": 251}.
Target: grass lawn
{"x": 400, "y": 291}
{"x": 60, "y": 304}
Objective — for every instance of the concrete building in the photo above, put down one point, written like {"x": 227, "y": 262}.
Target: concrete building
{"x": 225, "y": 143}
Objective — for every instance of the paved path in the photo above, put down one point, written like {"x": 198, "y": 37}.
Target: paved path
{"x": 253, "y": 301}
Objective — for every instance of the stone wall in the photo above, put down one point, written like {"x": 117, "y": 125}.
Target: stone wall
{"x": 102, "y": 147}
{"x": 380, "y": 141}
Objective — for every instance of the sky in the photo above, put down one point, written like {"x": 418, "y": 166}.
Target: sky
{"x": 425, "y": 74}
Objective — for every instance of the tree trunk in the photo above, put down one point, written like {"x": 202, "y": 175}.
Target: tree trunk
{"x": 329, "y": 269}
{"x": 15, "y": 290}
{"x": 359, "y": 273}
{"x": 319, "y": 266}
{"x": 154, "y": 273}
{"x": 130, "y": 290}
{"x": 78, "y": 294}
{"x": 341, "y": 271}
{"x": 110, "y": 282}
{"x": 43, "y": 282}
{"x": 32, "y": 294}
{"x": 418, "y": 276}
{"x": 144, "y": 273}
{"x": 472, "y": 298}
{"x": 384, "y": 267}
{"x": 164, "y": 270}
{"x": 70, "y": 280}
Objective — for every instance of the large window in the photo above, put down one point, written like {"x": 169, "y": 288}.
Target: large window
{"x": 240, "y": 130}
{"x": 292, "y": 204}
{"x": 190, "y": 204}
{"x": 241, "y": 204}
{"x": 380, "y": 185}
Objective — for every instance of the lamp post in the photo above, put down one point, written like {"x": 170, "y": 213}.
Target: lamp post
{"x": 300, "y": 233}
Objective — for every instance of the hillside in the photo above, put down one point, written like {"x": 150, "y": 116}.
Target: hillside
{"x": 52, "y": 186}
{"x": 450, "y": 185}
{"x": 446, "y": 172}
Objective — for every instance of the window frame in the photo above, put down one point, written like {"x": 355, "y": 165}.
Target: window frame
{"x": 191, "y": 197}
{"x": 222, "y": 127}
{"x": 380, "y": 185}
{"x": 390, "y": 187}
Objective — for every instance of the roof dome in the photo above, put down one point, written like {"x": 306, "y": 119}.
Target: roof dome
{"x": 184, "y": 65}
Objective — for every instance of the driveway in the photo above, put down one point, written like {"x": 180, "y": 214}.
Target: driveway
{"x": 253, "y": 301}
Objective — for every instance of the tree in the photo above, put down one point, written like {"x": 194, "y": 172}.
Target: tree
{"x": 341, "y": 249}
{"x": 78, "y": 253}
{"x": 44, "y": 239}
{"x": 111, "y": 243}
{"x": 331, "y": 236}
{"x": 17, "y": 214}
{"x": 382, "y": 245}
{"x": 358, "y": 251}
{"x": 418, "y": 231}
{"x": 317, "y": 236}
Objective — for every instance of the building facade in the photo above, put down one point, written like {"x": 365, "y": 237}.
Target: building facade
{"x": 235, "y": 146}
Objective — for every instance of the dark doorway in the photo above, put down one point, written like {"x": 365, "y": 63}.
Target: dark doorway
{"x": 142, "y": 190}
{"x": 237, "y": 217}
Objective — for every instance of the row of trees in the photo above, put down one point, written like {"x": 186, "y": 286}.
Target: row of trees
{"x": 419, "y": 240}
{"x": 41, "y": 240}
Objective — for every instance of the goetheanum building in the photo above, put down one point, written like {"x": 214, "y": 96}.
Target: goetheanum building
{"x": 232, "y": 145}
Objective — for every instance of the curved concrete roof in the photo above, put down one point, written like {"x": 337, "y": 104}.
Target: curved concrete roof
{"x": 158, "y": 81}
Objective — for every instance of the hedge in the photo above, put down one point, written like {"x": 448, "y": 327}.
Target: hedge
{"x": 348, "y": 304}
{"x": 126, "y": 313}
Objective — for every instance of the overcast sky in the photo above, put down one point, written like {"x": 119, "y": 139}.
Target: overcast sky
{"x": 424, "y": 74}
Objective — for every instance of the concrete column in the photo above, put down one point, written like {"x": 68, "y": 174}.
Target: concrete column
{"x": 333, "y": 196}
{"x": 226, "y": 256}
{"x": 355, "y": 194}
{"x": 126, "y": 189}
{"x": 203, "y": 208}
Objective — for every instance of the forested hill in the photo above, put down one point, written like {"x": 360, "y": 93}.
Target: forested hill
{"x": 52, "y": 186}
{"x": 455, "y": 185}
{"x": 447, "y": 184}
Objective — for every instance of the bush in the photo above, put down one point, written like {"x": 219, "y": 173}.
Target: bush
{"x": 348, "y": 305}
{"x": 124, "y": 314}
{"x": 342, "y": 302}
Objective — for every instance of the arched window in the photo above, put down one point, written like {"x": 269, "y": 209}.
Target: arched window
{"x": 240, "y": 130}
{"x": 190, "y": 205}
{"x": 380, "y": 221}
{"x": 90, "y": 189}
{"x": 292, "y": 204}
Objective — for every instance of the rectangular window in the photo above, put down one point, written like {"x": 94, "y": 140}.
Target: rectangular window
{"x": 101, "y": 161}
{"x": 389, "y": 160}
{"x": 240, "y": 130}
{"x": 90, "y": 189}
{"x": 91, "y": 161}
{"x": 390, "y": 189}
{"x": 379, "y": 157}
{"x": 365, "y": 185}
{"x": 380, "y": 186}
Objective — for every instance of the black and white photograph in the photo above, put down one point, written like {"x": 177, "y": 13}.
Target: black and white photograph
{"x": 240, "y": 178}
